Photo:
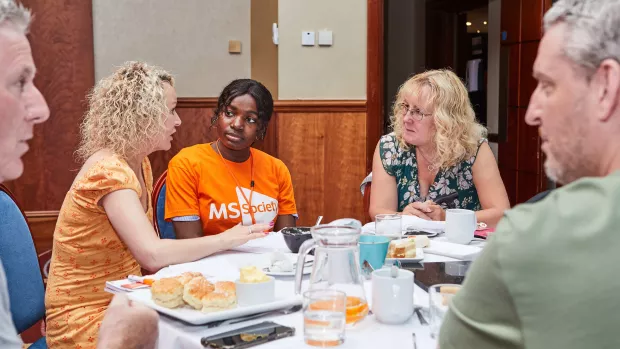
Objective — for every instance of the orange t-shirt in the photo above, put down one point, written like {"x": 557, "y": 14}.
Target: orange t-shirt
{"x": 199, "y": 184}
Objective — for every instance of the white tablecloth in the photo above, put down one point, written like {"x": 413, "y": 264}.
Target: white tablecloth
{"x": 367, "y": 334}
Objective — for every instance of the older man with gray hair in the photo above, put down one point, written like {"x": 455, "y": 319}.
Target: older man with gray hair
{"x": 549, "y": 276}
{"x": 22, "y": 106}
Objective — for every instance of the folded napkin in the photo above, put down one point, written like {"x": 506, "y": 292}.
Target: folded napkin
{"x": 412, "y": 222}
{"x": 450, "y": 249}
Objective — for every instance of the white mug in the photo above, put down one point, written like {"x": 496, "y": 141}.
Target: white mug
{"x": 392, "y": 298}
{"x": 460, "y": 225}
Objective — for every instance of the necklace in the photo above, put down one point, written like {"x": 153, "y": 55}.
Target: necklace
{"x": 431, "y": 167}
{"x": 249, "y": 202}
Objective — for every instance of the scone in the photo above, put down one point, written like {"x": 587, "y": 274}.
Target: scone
{"x": 195, "y": 290}
{"x": 187, "y": 277}
{"x": 218, "y": 301}
{"x": 167, "y": 292}
{"x": 226, "y": 287}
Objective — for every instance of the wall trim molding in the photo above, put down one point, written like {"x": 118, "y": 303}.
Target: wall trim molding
{"x": 320, "y": 106}
{"x": 287, "y": 106}
{"x": 196, "y": 102}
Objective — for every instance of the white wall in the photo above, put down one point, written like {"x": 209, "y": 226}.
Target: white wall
{"x": 189, "y": 38}
{"x": 336, "y": 72}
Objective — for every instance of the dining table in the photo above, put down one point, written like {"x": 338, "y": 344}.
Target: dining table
{"x": 369, "y": 333}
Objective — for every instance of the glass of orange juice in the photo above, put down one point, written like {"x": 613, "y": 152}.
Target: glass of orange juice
{"x": 325, "y": 317}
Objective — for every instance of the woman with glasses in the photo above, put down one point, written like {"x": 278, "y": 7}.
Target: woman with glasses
{"x": 437, "y": 157}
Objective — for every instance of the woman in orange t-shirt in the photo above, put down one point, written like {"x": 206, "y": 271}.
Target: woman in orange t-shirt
{"x": 212, "y": 187}
{"x": 104, "y": 230}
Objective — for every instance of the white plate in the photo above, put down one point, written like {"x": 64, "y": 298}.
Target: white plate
{"x": 196, "y": 317}
{"x": 307, "y": 270}
{"x": 419, "y": 255}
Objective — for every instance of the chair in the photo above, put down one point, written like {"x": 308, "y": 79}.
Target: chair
{"x": 164, "y": 229}
{"x": 21, "y": 264}
{"x": 367, "y": 188}
{"x": 538, "y": 197}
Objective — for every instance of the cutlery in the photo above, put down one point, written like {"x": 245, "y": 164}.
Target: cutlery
{"x": 420, "y": 316}
{"x": 287, "y": 311}
{"x": 318, "y": 221}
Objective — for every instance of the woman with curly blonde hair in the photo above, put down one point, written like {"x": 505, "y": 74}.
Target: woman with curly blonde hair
{"x": 104, "y": 231}
{"x": 437, "y": 157}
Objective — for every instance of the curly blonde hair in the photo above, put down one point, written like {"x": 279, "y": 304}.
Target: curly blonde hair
{"x": 458, "y": 132}
{"x": 125, "y": 111}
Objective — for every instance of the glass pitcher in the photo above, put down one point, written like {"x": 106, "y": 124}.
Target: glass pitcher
{"x": 336, "y": 266}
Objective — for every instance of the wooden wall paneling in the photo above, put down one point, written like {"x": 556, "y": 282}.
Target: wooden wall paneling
{"x": 529, "y": 146}
{"x": 531, "y": 17}
{"x": 509, "y": 177}
{"x": 511, "y": 21}
{"x": 514, "y": 74}
{"x": 270, "y": 144}
{"x": 507, "y": 151}
{"x": 527, "y": 186}
{"x": 42, "y": 225}
{"x": 375, "y": 73}
{"x": 194, "y": 129}
{"x": 345, "y": 165}
{"x": 61, "y": 37}
{"x": 302, "y": 137}
{"x": 527, "y": 83}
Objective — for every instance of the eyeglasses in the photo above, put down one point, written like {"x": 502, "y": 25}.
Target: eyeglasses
{"x": 415, "y": 113}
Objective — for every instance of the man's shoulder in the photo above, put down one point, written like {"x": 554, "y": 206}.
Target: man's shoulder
{"x": 571, "y": 223}
{"x": 571, "y": 206}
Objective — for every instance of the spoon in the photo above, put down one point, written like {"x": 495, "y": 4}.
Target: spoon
{"x": 318, "y": 221}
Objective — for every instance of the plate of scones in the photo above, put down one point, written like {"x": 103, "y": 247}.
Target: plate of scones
{"x": 195, "y": 299}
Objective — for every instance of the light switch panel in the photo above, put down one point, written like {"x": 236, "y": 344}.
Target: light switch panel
{"x": 325, "y": 38}
{"x": 307, "y": 38}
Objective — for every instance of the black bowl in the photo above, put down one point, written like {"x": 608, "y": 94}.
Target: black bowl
{"x": 295, "y": 236}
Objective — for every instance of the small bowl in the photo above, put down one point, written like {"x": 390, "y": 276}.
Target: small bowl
{"x": 255, "y": 293}
{"x": 295, "y": 236}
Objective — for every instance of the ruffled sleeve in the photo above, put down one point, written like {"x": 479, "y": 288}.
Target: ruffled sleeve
{"x": 389, "y": 151}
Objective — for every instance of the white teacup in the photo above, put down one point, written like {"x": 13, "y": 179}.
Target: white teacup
{"x": 392, "y": 298}
{"x": 460, "y": 225}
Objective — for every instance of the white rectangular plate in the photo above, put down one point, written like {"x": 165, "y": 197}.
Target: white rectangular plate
{"x": 283, "y": 300}
{"x": 419, "y": 256}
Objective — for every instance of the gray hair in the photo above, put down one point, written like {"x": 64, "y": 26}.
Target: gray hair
{"x": 593, "y": 30}
{"x": 15, "y": 14}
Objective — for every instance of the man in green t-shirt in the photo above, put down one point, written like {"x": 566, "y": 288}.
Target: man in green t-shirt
{"x": 549, "y": 277}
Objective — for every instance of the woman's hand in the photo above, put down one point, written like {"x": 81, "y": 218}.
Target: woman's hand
{"x": 426, "y": 210}
{"x": 239, "y": 234}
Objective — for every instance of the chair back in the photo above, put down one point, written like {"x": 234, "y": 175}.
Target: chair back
{"x": 21, "y": 264}
{"x": 538, "y": 197}
{"x": 367, "y": 188}
{"x": 164, "y": 229}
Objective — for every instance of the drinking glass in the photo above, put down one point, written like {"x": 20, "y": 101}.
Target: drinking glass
{"x": 440, "y": 297}
{"x": 324, "y": 317}
{"x": 389, "y": 225}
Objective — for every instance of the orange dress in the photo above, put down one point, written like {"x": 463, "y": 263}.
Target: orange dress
{"x": 87, "y": 252}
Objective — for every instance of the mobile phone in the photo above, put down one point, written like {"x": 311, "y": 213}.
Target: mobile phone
{"x": 411, "y": 231}
{"x": 249, "y": 336}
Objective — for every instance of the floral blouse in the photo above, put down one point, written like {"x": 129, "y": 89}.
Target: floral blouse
{"x": 402, "y": 164}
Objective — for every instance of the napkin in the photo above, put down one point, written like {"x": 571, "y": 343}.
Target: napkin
{"x": 450, "y": 249}
{"x": 412, "y": 222}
